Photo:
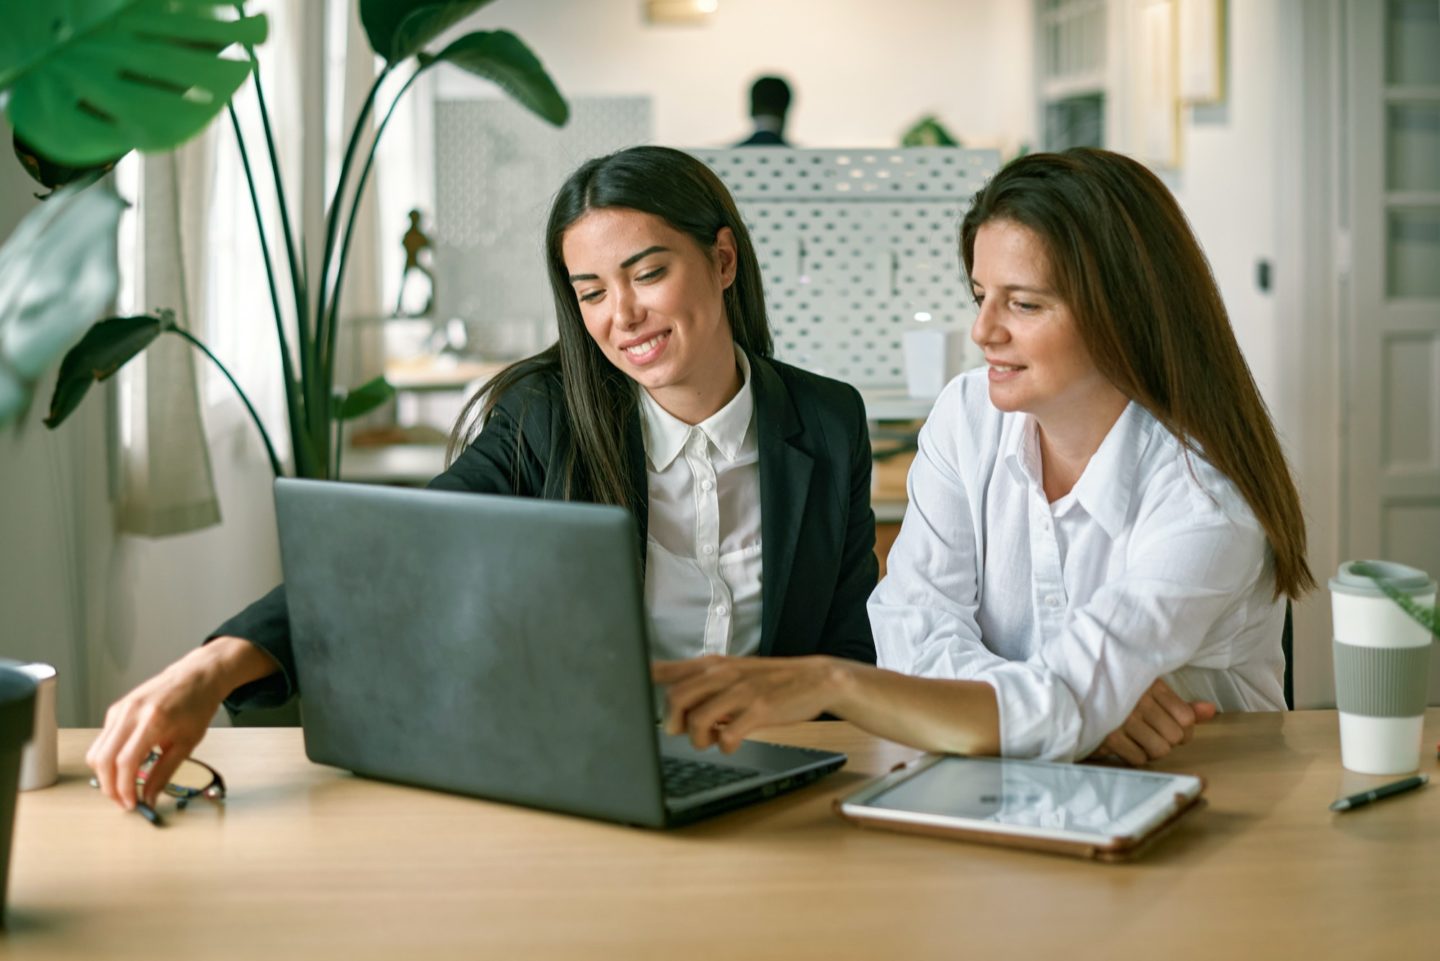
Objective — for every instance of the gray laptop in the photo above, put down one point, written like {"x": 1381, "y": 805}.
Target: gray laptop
{"x": 495, "y": 646}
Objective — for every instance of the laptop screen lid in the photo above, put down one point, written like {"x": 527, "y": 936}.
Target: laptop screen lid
{"x": 475, "y": 643}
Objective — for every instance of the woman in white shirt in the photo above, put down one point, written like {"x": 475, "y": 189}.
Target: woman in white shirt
{"x": 749, "y": 479}
{"x": 1101, "y": 528}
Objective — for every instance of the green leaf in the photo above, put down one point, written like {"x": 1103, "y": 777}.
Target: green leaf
{"x": 400, "y": 28}
{"x": 94, "y": 79}
{"x": 1428, "y": 617}
{"x": 502, "y": 58}
{"x": 109, "y": 345}
{"x": 365, "y": 398}
{"x": 57, "y": 273}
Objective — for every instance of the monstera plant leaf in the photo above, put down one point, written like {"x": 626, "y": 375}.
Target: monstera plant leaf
{"x": 400, "y": 28}
{"x": 57, "y": 273}
{"x": 502, "y": 58}
{"x": 90, "y": 80}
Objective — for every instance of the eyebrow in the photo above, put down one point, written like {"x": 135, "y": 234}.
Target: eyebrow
{"x": 1012, "y": 288}
{"x": 627, "y": 262}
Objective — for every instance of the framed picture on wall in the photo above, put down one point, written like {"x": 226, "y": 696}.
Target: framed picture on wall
{"x": 1157, "y": 114}
{"x": 1201, "y": 50}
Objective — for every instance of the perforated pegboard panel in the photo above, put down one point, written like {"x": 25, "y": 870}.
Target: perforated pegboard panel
{"x": 496, "y": 169}
{"x": 855, "y": 247}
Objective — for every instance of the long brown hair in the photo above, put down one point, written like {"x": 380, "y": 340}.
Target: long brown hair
{"x": 1147, "y": 307}
{"x": 599, "y": 399}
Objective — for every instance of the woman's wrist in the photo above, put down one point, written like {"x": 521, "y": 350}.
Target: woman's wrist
{"x": 225, "y": 663}
{"x": 844, "y": 683}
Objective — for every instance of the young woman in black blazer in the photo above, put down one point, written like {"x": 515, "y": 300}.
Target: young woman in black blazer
{"x": 661, "y": 395}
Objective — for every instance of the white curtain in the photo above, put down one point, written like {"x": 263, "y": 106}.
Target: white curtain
{"x": 166, "y": 484}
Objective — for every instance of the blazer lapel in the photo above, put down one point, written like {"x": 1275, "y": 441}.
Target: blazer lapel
{"x": 784, "y": 482}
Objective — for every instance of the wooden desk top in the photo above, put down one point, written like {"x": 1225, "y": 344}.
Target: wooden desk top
{"x": 306, "y": 861}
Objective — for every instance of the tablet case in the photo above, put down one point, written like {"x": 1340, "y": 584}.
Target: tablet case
{"x": 1123, "y": 848}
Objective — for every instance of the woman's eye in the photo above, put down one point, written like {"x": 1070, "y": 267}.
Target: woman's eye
{"x": 654, "y": 274}
{"x": 590, "y": 296}
{"x": 1026, "y": 308}
{"x": 979, "y": 299}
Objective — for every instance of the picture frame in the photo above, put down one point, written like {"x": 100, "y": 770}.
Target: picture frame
{"x": 1157, "y": 113}
{"x": 1201, "y": 50}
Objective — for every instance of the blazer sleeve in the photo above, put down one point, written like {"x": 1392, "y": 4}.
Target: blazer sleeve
{"x": 508, "y": 457}
{"x": 847, "y": 624}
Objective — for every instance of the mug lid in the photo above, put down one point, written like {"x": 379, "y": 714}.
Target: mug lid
{"x": 1405, "y": 579}
{"x": 17, "y": 707}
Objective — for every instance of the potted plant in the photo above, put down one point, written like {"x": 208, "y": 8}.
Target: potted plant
{"x": 87, "y": 86}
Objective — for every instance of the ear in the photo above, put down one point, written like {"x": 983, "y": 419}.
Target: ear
{"x": 726, "y": 256}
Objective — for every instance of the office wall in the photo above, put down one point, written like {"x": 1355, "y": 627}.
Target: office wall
{"x": 862, "y": 72}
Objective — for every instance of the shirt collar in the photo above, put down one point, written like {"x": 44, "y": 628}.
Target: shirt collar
{"x": 1108, "y": 482}
{"x": 665, "y": 434}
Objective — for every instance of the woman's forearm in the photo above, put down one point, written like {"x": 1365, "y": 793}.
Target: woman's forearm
{"x": 958, "y": 717}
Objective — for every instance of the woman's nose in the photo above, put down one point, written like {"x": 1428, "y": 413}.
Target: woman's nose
{"x": 627, "y": 312}
{"x": 986, "y": 330}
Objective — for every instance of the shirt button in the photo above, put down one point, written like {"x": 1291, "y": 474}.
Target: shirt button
{"x": 722, "y": 610}
{"x": 709, "y": 548}
{"x": 1052, "y": 601}
{"x": 706, "y": 485}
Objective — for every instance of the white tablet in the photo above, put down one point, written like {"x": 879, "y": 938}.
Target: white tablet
{"x": 1099, "y": 812}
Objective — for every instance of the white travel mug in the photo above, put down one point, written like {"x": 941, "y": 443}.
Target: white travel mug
{"x": 39, "y": 765}
{"x": 1382, "y": 667}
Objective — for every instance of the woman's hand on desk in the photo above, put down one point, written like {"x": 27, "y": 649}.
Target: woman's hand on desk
{"x": 1160, "y": 722}
{"x": 170, "y": 712}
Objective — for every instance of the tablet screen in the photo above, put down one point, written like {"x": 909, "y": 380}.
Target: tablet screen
{"x": 1063, "y": 797}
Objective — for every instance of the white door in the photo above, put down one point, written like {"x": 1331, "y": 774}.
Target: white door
{"x": 1391, "y": 363}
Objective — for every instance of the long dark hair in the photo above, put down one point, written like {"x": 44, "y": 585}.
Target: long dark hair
{"x": 599, "y": 399}
{"x": 1147, "y": 307}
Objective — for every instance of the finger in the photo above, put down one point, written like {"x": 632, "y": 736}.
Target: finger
{"x": 105, "y": 749}
{"x": 682, "y": 696}
{"x": 1160, "y": 720}
{"x": 708, "y": 721}
{"x": 1147, "y": 738}
{"x": 669, "y": 672}
{"x": 1120, "y": 745}
{"x": 1174, "y": 705}
{"x": 171, "y": 757}
{"x": 127, "y": 766}
{"x": 1204, "y": 711}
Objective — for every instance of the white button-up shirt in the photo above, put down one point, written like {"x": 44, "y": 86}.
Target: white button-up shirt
{"x": 1153, "y": 566}
{"x": 703, "y": 550}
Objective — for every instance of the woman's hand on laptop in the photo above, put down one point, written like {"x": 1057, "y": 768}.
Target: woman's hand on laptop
{"x": 1161, "y": 721}
{"x": 719, "y": 700}
{"x": 170, "y": 712}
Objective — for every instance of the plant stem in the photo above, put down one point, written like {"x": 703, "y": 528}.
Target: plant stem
{"x": 321, "y": 392}
{"x": 333, "y": 322}
{"x": 269, "y": 448}
{"x": 292, "y": 402}
{"x": 304, "y": 341}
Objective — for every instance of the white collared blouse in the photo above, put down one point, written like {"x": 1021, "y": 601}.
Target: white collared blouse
{"x": 1153, "y": 566}
{"x": 703, "y": 544}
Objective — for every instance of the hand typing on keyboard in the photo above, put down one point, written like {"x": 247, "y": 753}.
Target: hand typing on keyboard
{"x": 719, "y": 700}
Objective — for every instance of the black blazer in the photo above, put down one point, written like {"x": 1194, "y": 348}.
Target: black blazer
{"x": 817, "y": 529}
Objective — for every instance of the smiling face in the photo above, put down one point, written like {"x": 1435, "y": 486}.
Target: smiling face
{"x": 1038, "y": 362}
{"x": 653, "y": 300}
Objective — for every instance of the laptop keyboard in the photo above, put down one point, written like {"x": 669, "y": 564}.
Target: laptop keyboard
{"x": 684, "y": 777}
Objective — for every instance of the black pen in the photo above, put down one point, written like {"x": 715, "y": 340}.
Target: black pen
{"x": 1375, "y": 794}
